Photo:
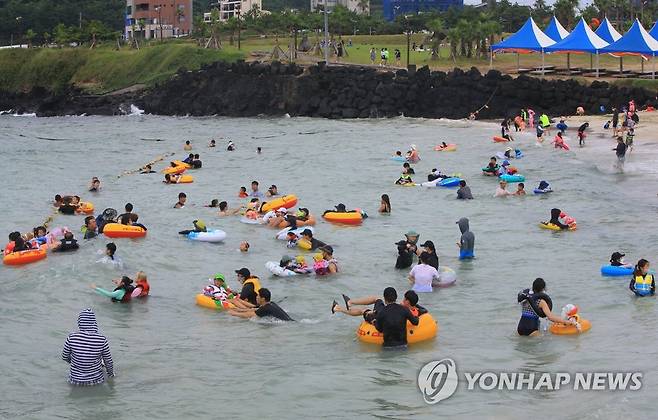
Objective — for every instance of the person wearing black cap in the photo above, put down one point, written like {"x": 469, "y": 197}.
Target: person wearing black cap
{"x": 250, "y": 288}
{"x": 315, "y": 244}
{"x": 405, "y": 255}
{"x": 328, "y": 256}
{"x": 430, "y": 254}
{"x": 616, "y": 260}
{"x": 340, "y": 208}
{"x": 266, "y": 308}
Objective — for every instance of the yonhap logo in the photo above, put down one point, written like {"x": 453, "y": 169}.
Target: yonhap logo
{"x": 437, "y": 380}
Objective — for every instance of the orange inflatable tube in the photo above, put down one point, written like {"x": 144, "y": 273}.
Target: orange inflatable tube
{"x": 350, "y": 218}
{"x": 287, "y": 201}
{"x": 25, "y": 257}
{"x": 117, "y": 230}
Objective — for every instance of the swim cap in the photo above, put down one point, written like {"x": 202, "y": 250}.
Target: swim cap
{"x": 200, "y": 224}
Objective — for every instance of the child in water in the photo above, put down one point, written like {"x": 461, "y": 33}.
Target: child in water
{"x": 617, "y": 260}
{"x": 320, "y": 265}
{"x": 520, "y": 189}
{"x": 292, "y": 240}
{"x": 492, "y": 167}
{"x": 404, "y": 180}
{"x": 243, "y": 192}
{"x": 218, "y": 289}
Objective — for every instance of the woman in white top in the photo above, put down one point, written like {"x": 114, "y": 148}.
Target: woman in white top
{"x": 422, "y": 276}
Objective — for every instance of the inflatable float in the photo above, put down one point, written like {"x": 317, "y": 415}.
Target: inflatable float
{"x": 308, "y": 222}
{"x": 447, "y": 148}
{"x": 210, "y": 303}
{"x": 538, "y": 191}
{"x": 616, "y": 271}
{"x": 447, "y": 277}
{"x": 499, "y": 139}
{"x": 248, "y": 221}
{"x": 448, "y": 182}
{"x": 400, "y": 159}
{"x": 561, "y": 329}
{"x": 185, "y": 179}
{"x": 282, "y": 235}
{"x": 551, "y": 226}
{"x": 279, "y": 271}
{"x": 116, "y": 230}
{"x": 25, "y": 257}
{"x": 425, "y": 330}
{"x": 512, "y": 178}
{"x": 212, "y": 235}
{"x": 183, "y": 164}
{"x": 287, "y": 201}
{"x": 86, "y": 207}
{"x": 349, "y": 218}
{"x": 174, "y": 170}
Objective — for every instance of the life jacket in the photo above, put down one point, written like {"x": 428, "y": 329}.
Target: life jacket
{"x": 643, "y": 284}
{"x": 530, "y": 304}
{"x": 145, "y": 288}
{"x": 255, "y": 281}
{"x": 126, "y": 296}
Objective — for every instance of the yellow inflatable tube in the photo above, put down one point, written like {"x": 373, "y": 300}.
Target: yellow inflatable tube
{"x": 426, "y": 329}
{"x": 561, "y": 329}
{"x": 181, "y": 163}
{"x": 551, "y": 226}
{"x": 86, "y": 207}
{"x": 287, "y": 201}
{"x": 210, "y": 303}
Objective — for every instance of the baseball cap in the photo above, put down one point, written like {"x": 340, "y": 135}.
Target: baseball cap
{"x": 244, "y": 272}
{"x": 340, "y": 207}
{"x": 428, "y": 243}
{"x": 616, "y": 256}
{"x": 307, "y": 232}
{"x": 328, "y": 249}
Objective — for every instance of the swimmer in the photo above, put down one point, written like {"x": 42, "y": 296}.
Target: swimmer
{"x": 16, "y": 244}
{"x": 122, "y": 293}
{"x": 188, "y": 146}
{"x": 128, "y": 210}
{"x": 398, "y": 154}
{"x": 230, "y": 146}
{"x": 555, "y": 219}
{"x": 559, "y": 141}
{"x": 329, "y": 263}
{"x": 581, "y": 134}
{"x": 423, "y": 275}
{"x": 266, "y": 308}
{"x": 91, "y": 228}
{"x": 213, "y": 203}
{"x": 544, "y": 187}
{"x": 504, "y": 170}
{"x": 642, "y": 283}
{"x": 69, "y": 243}
{"x": 492, "y": 167}
{"x": 273, "y": 191}
{"x": 250, "y": 287}
{"x": 620, "y": 152}
{"x": 254, "y": 190}
{"x": 218, "y": 289}
{"x": 404, "y": 180}
{"x": 196, "y": 162}
{"x": 171, "y": 179}
{"x": 147, "y": 170}
{"x": 292, "y": 239}
{"x": 616, "y": 260}
{"x": 388, "y": 317}
{"x": 244, "y": 246}
{"x": 95, "y": 185}
{"x": 466, "y": 242}
{"x": 385, "y": 204}
{"x": 182, "y": 199}
{"x": 407, "y": 169}
{"x": 199, "y": 226}
{"x": 315, "y": 244}
{"x": 540, "y": 134}
{"x": 189, "y": 159}
{"x": 59, "y": 201}
{"x": 561, "y": 126}
{"x": 224, "y": 210}
{"x": 67, "y": 206}
{"x": 259, "y": 150}
{"x": 520, "y": 189}
{"x": 243, "y": 192}
{"x": 435, "y": 174}
{"x": 142, "y": 286}
{"x": 212, "y": 143}
{"x": 464, "y": 191}
{"x": 536, "y": 304}
{"x": 501, "y": 190}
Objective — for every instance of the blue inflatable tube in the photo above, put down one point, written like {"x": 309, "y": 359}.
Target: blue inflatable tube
{"x": 449, "y": 182}
{"x": 512, "y": 178}
{"x": 398, "y": 159}
{"x": 538, "y": 191}
{"x": 615, "y": 271}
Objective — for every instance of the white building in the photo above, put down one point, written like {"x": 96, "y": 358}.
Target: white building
{"x": 232, "y": 8}
{"x": 361, "y": 7}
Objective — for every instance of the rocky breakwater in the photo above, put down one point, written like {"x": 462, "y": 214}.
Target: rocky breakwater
{"x": 243, "y": 89}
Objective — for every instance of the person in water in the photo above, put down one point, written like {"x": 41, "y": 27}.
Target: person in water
{"x": 544, "y": 187}
{"x": 199, "y": 226}
{"x": 642, "y": 283}
{"x": 131, "y": 220}
{"x": 429, "y": 251}
{"x": 129, "y": 209}
{"x": 147, "y": 170}
{"x": 250, "y": 288}
{"x": 435, "y": 174}
{"x": 630, "y": 135}
{"x": 88, "y": 352}
{"x": 244, "y": 246}
{"x": 492, "y": 167}
{"x": 213, "y": 203}
{"x": 259, "y": 150}
{"x": 212, "y": 143}
{"x": 581, "y": 134}
{"x": 218, "y": 289}
{"x": 423, "y": 275}
{"x": 464, "y": 191}
{"x": 188, "y": 146}
{"x": 142, "y": 286}
{"x": 404, "y": 180}
{"x": 182, "y": 199}
{"x": 110, "y": 254}
{"x": 388, "y": 317}
{"x": 265, "y": 308}
{"x": 172, "y": 178}
{"x": 196, "y": 162}
{"x": 122, "y": 293}
{"x": 385, "y": 204}
{"x": 536, "y": 304}
{"x": 69, "y": 243}
{"x": 254, "y": 190}
{"x": 466, "y": 243}
{"x": 273, "y": 191}
{"x": 540, "y": 134}
{"x": 91, "y": 228}
{"x": 16, "y": 243}
{"x": 620, "y": 150}
{"x": 95, "y": 185}
{"x": 243, "y": 192}
{"x": 67, "y": 206}
{"x": 230, "y": 147}
{"x": 617, "y": 260}
{"x": 555, "y": 219}
{"x": 329, "y": 265}
{"x": 520, "y": 189}
{"x": 501, "y": 190}
{"x": 224, "y": 210}
{"x": 59, "y": 201}
{"x": 407, "y": 169}
{"x": 409, "y": 301}
{"x": 307, "y": 234}
{"x": 188, "y": 160}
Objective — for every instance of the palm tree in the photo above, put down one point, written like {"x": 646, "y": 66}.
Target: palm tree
{"x": 438, "y": 34}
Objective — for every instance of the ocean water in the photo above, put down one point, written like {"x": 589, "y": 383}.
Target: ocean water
{"x": 174, "y": 359}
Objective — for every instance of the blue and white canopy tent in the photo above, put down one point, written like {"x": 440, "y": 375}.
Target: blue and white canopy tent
{"x": 555, "y": 30}
{"x": 581, "y": 40}
{"x": 527, "y": 39}
{"x": 609, "y": 34}
{"x": 636, "y": 41}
